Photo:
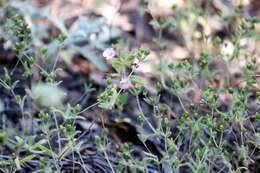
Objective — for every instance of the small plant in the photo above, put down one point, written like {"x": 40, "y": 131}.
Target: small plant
{"x": 188, "y": 117}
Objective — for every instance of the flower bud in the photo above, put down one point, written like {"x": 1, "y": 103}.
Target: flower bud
{"x": 125, "y": 83}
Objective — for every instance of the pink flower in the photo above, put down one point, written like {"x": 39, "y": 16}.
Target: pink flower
{"x": 125, "y": 83}
{"x": 110, "y": 53}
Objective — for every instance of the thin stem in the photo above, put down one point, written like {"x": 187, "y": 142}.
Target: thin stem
{"x": 142, "y": 113}
{"x": 87, "y": 108}
{"x": 58, "y": 132}
{"x": 108, "y": 161}
{"x": 183, "y": 107}
{"x": 55, "y": 63}
{"x": 73, "y": 162}
{"x": 83, "y": 165}
{"x": 37, "y": 65}
{"x": 54, "y": 158}
{"x": 105, "y": 141}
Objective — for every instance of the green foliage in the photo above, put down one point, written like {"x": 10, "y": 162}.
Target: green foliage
{"x": 202, "y": 137}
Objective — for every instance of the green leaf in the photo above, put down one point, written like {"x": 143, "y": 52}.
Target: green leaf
{"x": 123, "y": 98}
{"x": 4, "y": 163}
{"x": 138, "y": 79}
{"x": 108, "y": 98}
{"x": 27, "y": 159}
{"x": 65, "y": 151}
{"x": 47, "y": 151}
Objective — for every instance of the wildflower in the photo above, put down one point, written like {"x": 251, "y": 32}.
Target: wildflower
{"x": 110, "y": 53}
{"x": 125, "y": 83}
